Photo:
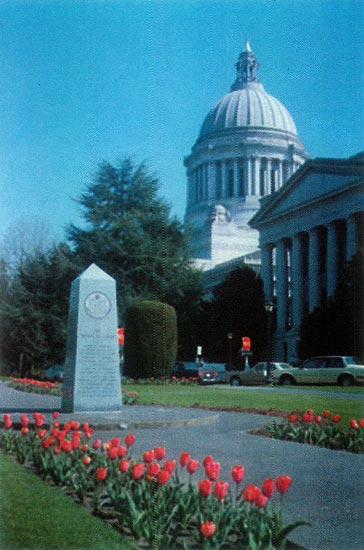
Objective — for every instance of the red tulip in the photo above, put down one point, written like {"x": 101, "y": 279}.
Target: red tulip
{"x": 192, "y": 466}
{"x": 122, "y": 451}
{"x": 354, "y": 424}
{"x": 41, "y": 433}
{"x": 84, "y": 448}
{"x": 361, "y": 422}
{"x": 56, "y": 449}
{"x": 307, "y": 417}
{"x": 221, "y": 489}
{"x": 137, "y": 471}
{"x": 129, "y": 440}
{"x": 163, "y": 476}
{"x": 212, "y": 470}
{"x": 96, "y": 444}
{"x": 169, "y": 466}
{"x": 115, "y": 442}
{"x": 38, "y": 420}
{"x": 326, "y": 414}
{"x": 268, "y": 487}
{"x": 251, "y": 493}
{"x": 237, "y": 473}
{"x": 208, "y": 459}
{"x": 152, "y": 470}
{"x": 336, "y": 418}
{"x": 184, "y": 459}
{"x": 112, "y": 452}
{"x": 204, "y": 487}
{"x": 261, "y": 501}
{"x": 24, "y": 430}
{"x": 55, "y": 414}
{"x": 124, "y": 465}
{"x": 283, "y": 483}
{"x": 159, "y": 452}
{"x": 207, "y": 529}
{"x": 24, "y": 420}
{"x": 293, "y": 418}
{"x": 148, "y": 456}
{"x": 86, "y": 460}
{"x": 101, "y": 474}
{"x": 318, "y": 419}
{"x": 7, "y": 421}
{"x": 66, "y": 446}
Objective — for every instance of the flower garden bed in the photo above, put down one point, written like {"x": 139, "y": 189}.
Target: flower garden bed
{"x": 157, "y": 501}
{"x": 322, "y": 430}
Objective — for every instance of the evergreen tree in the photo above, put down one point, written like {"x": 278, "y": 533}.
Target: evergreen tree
{"x": 129, "y": 234}
{"x": 237, "y": 306}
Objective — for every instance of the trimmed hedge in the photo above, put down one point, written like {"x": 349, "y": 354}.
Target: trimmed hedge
{"x": 150, "y": 340}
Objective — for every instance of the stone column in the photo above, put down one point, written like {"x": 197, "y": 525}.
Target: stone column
{"x": 351, "y": 237}
{"x": 280, "y": 174}
{"x": 297, "y": 280}
{"x": 256, "y": 163}
{"x": 236, "y": 177}
{"x": 248, "y": 184}
{"x": 332, "y": 259}
{"x": 281, "y": 284}
{"x": 211, "y": 180}
{"x": 268, "y": 178}
{"x": 223, "y": 178}
{"x": 314, "y": 271}
{"x": 267, "y": 271}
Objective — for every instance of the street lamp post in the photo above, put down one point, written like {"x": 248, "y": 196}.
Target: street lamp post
{"x": 269, "y": 309}
{"x": 230, "y": 337}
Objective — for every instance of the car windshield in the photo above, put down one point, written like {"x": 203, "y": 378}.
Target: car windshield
{"x": 350, "y": 361}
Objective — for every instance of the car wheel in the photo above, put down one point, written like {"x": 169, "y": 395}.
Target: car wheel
{"x": 287, "y": 381}
{"x": 346, "y": 381}
{"x": 234, "y": 381}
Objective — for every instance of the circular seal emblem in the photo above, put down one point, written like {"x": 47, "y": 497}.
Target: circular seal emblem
{"x": 97, "y": 305}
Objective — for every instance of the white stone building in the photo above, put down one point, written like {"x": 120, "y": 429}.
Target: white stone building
{"x": 307, "y": 230}
{"x": 247, "y": 148}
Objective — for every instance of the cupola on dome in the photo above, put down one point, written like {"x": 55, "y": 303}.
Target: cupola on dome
{"x": 247, "y": 104}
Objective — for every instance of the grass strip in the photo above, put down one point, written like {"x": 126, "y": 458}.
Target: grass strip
{"x": 36, "y": 516}
{"x": 232, "y": 398}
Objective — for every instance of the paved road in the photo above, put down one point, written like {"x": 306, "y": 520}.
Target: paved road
{"x": 327, "y": 487}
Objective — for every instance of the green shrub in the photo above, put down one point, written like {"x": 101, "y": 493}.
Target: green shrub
{"x": 150, "y": 340}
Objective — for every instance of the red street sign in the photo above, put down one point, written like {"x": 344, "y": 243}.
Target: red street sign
{"x": 121, "y": 336}
{"x": 246, "y": 343}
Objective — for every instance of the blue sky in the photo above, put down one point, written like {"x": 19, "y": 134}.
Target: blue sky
{"x": 86, "y": 81}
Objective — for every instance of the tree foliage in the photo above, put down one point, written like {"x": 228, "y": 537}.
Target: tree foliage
{"x": 337, "y": 328}
{"x": 129, "y": 233}
{"x": 150, "y": 340}
{"x": 237, "y": 307}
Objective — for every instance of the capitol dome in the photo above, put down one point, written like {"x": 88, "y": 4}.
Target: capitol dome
{"x": 247, "y": 148}
{"x": 250, "y": 106}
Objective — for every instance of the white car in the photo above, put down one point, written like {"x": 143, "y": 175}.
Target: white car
{"x": 335, "y": 369}
{"x": 259, "y": 374}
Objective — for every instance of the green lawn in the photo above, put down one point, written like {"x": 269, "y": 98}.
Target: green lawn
{"x": 229, "y": 398}
{"x": 36, "y": 516}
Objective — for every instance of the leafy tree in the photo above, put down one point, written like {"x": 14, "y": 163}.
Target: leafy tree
{"x": 129, "y": 234}
{"x": 34, "y": 311}
{"x": 150, "y": 339}
{"x": 237, "y": 306}
{"x": 337, "y": 328}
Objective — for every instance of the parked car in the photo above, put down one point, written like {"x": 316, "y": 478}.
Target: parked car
{"x": 213, "y": 373}
{"x": 54, "y": 373}
{"x": 183, "y": 369}
{"x": 259, "y": 374}
{"x": 344, "y": 371}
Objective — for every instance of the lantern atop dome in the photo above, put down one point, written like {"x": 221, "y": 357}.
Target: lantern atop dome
{"x": 246, "y": 68}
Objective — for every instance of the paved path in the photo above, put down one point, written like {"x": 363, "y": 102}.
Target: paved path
{"x": 327, "y": 487}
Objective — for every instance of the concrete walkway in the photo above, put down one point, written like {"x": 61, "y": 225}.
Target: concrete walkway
{"x": 327, "y": 488}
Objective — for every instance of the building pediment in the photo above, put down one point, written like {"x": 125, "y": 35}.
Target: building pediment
{"x": 314, "y": 182}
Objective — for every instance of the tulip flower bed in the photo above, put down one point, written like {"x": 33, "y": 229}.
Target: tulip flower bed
{"x": 322, "y": 430}
{"x": 154, "y": 500}
{"x": 54, "y": 388}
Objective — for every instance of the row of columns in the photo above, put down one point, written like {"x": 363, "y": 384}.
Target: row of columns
{"x": 258, "y": 176}
{"x": 304, "y": 269}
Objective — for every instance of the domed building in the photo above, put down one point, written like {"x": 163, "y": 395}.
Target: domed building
{"x": 247, "y": 148}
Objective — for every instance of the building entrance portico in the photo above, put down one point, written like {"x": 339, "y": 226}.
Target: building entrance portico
{"x": 308, "y": 230}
